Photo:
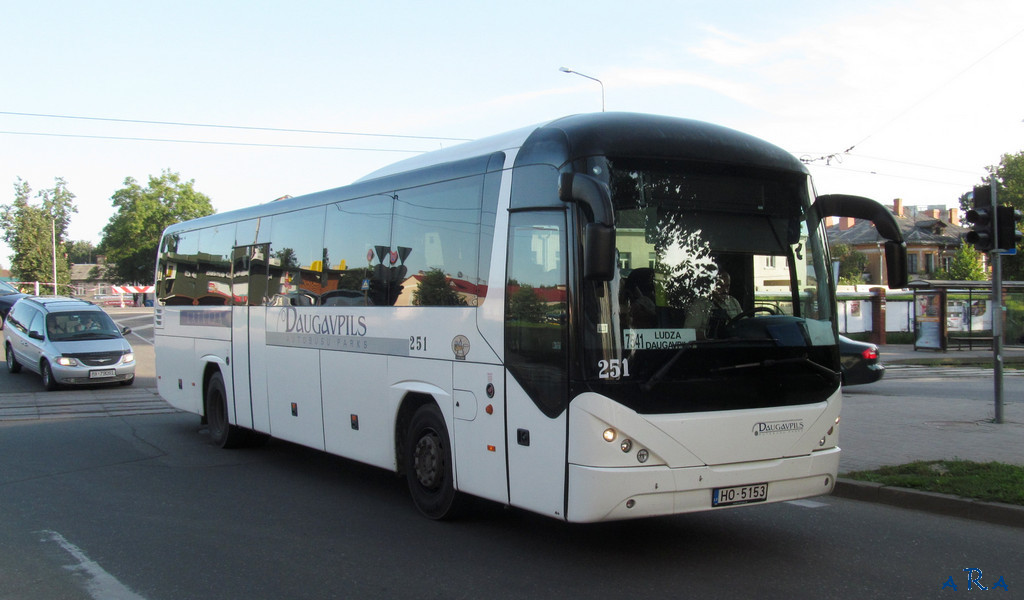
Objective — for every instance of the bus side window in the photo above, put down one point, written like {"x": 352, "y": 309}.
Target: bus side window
{"x": 438, "y": 226}
{"x": 354, "y": 230}
{"x": 296, "y": 257}
{"x": 536, "y": 308}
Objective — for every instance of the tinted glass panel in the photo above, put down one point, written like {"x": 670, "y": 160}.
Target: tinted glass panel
{"x": 722, "y": 299}
{"x": 354, "y": 231}
{"x": 80, "y": 325}
{"x": 214, "y": 265}
{"x": 436, "y": 236}
{"x": 249, "y": 262}
{"x": 296, "y": 258}
{"x": 536, "y": 310}
{"x": 178, "y": 269}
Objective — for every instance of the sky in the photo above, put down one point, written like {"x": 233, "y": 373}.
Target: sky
{"x": 886, "y": 99}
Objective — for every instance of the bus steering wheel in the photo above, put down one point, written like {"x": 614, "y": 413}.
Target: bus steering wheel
{"x": 750, "y": 313}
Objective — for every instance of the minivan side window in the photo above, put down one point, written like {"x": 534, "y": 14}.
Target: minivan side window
{"x": 37, "y": 323}
{"x": 21, "y": 316}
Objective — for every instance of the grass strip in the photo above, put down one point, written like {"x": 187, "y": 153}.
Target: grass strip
{"x": 991, "y": 481}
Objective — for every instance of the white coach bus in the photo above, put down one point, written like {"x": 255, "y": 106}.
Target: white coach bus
{"x": 607, "y": 316}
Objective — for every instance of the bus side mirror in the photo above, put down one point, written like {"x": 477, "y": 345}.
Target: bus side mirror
{"x": 599, "y": 236}
{"x": 598, "y": 252}
{"x": 859, "y": 207}
{"x": 896, "y": 264}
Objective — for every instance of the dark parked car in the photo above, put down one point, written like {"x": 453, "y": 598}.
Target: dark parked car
{"x": 8, "y": 296}
{"x": 859, "y": 361}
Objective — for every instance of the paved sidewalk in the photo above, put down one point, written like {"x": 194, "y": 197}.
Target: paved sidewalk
{"x": 906, "y": 355}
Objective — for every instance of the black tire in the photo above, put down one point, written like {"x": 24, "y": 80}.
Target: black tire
{"x": 49, "y": 381}
{"x": 428, "y": 464}
{"x": 13, "y": 366}
{"x": 222, "y": 433}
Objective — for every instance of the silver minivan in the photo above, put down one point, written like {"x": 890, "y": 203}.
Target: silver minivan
{"x": 68, "y": 342}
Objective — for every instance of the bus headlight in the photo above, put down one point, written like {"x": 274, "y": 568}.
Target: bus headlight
{"x": 626, "y": 445}
{"x": 609, "y": 435}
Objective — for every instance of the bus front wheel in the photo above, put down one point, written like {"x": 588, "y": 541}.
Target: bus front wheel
{"x": 222, "y": 432}
{"x": 428, "y": 464}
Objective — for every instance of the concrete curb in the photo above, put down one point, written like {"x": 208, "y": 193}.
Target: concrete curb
{"x": 942, "y": 504}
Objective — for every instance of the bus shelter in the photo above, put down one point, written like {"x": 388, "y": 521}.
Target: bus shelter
{"x": 959, "y": 313}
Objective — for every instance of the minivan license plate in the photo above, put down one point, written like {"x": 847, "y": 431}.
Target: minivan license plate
{"x": 743, "y": 494}
{"x": 103, "y": 373}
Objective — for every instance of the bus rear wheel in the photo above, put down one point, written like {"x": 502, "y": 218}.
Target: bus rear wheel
{"x": 222, "y": 433}
{"x": 428, "y": 464}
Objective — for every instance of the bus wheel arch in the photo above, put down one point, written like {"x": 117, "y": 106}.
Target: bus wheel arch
{"x": 425, "y": 457}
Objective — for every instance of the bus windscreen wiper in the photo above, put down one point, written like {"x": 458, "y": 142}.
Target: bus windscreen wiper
{"x": 665, "y": 368}
{"x": 803, "y": 360}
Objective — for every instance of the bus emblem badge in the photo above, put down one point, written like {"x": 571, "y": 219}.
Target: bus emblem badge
{"x": 460, "y": 346}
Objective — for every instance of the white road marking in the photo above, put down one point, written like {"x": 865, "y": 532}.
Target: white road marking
{"x": 807, "y": 503}
{"x": 99, "y": 583}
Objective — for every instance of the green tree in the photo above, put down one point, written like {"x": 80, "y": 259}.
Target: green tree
{"x": 81, "y": 252}
{"x": 1009, "y": 178}
{"x": 852, "y": 264}
{"x": 965, "y": 266}
{"x": 434, "y": 290}
{"x": 36, "y": 233}
{"x": 132, "y": 236}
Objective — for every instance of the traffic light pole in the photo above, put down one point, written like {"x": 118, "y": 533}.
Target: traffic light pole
{"x": 997, "y": 314}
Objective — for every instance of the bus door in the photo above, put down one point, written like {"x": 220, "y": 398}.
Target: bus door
{"x": 536, "y": 361}
{"x": 249, "y": 284}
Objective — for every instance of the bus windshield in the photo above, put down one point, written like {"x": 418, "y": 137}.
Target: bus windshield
{"x": 722, "y": 299}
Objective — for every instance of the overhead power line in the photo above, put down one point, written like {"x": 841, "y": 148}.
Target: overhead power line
{"x": 215, "y": 143}
{"x": 894, "y": 176}
{"x": 237, "y": 127}
{"x": 828, "y": 158}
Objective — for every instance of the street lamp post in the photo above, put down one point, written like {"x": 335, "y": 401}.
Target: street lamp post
{"x": 53, "y": 241}
{"x": 565, "y": 70}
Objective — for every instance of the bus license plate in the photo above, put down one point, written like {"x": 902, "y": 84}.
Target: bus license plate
{"x": 743, "y": 494}
{"x": 102, "y": 374}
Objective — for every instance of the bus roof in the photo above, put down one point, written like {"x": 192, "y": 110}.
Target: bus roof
{"x": 556, "y": 143}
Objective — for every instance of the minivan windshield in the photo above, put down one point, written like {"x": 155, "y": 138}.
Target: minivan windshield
{"x": 80, "y": 325}
{"x": 722, "y": 297}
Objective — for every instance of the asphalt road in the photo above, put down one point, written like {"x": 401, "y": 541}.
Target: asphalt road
{"x": 143, "y": 507}
{"x": 139, "y": 506}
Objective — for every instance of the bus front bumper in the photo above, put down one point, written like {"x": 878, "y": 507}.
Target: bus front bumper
{"x": 606, "y": 494}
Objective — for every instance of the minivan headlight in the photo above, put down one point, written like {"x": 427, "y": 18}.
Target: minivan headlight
{"x": 66, "y": 361}
{"x": 128, "y": 357}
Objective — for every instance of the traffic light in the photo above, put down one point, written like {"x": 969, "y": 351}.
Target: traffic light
{"x": 1007, "y": 234}
{"x": 982, "y": 235}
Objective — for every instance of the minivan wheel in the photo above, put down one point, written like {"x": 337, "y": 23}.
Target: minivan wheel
{"x": 49, "y": 381}
{"x": 13, "y": 366}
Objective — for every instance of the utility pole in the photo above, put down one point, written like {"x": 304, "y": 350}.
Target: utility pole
{"x": 984, "y": 235}
{"x": 997, "y": 309}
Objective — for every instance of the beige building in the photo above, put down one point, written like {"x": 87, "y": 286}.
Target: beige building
{"x": 932, "y": 234}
